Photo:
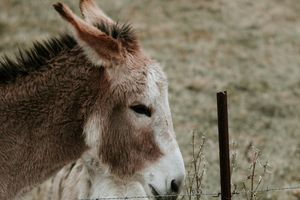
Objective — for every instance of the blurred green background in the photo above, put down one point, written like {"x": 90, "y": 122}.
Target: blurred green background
{"x": 249, "y": 48}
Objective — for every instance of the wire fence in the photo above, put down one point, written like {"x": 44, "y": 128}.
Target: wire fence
{"x": 212, "y": 194}
{"x": 226, "y": 192}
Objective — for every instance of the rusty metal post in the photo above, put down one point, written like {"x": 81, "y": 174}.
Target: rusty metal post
{"x": 224, "y": 146}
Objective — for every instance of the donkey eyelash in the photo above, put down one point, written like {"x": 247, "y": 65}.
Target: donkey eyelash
{"x": 142, "y": 109}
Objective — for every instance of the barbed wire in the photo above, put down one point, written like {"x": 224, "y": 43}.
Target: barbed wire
{"x": 156, "y": 196}
{"x": 212, "y": 194}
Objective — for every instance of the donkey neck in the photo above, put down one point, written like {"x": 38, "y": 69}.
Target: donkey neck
{"x": 42, "y": 115}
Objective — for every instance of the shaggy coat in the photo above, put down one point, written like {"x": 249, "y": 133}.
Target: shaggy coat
{"x": 86, "y": 178}
{"x": 95, "y": 89}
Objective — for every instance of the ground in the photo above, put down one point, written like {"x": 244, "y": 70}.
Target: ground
{"x": 249, "y": 48}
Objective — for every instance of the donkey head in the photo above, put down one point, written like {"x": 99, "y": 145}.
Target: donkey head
{"x": 130, "y": 124}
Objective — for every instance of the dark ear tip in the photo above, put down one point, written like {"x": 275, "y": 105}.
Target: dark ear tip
{"x": 58, "y": 7}
{"x": 61, "y": 9}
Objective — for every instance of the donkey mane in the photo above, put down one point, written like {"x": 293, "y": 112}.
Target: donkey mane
{"x": 26, "y": 61}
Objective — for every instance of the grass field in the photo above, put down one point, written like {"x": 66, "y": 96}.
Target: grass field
{"x": 249, "y": 48}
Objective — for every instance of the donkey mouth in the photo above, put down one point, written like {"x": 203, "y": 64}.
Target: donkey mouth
{"x": 155, "y": 193}
{"x": 157, "y": 196}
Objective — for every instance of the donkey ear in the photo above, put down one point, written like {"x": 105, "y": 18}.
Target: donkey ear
{"x": 92, "y": 13}
{"x": 100, "y": 48}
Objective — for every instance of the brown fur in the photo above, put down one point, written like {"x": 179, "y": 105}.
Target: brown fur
{"x": 124, "y": 148}
{"x": 125, "y": 151}
{"x": 43, "y": 113}
{"x": 42, "y": 118}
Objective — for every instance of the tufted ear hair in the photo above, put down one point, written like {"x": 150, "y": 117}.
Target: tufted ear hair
{"x": 101, "y": 49}
{"x": 93, "y": 14}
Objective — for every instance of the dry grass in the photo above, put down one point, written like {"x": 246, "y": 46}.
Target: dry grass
{"x": 251, "y": 48}
{"x": 257, "y": 179}
{"x": 195, "y": 170}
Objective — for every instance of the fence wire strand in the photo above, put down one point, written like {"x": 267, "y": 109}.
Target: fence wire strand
{"x": 212, "y": 194}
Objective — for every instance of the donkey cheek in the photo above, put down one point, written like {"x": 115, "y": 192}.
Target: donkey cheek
{"x": 128, "y": 153}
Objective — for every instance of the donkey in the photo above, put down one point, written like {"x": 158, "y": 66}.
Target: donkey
{"x": 86, "y": 178}
{"x": 95, "y": 89}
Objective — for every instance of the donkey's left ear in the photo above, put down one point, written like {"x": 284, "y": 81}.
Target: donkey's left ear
{"x": 101, "y": 49}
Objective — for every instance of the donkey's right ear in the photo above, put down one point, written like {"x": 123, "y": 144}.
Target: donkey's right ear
{"x": 100, "y": 48}
{"x": 93, "y": 14}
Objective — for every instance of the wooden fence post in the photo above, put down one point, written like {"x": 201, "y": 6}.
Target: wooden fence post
{"x": 224, "y": 146}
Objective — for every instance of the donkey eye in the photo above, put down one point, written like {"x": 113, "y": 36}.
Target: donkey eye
{"x": 141, "y": 109}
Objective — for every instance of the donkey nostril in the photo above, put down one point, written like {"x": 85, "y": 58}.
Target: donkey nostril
{"x": 174, "y": 186}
